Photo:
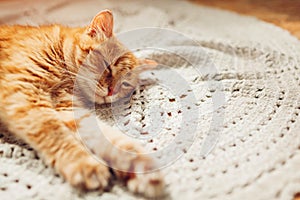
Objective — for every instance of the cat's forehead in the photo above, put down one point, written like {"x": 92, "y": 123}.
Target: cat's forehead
{"x": 111, "y": 50}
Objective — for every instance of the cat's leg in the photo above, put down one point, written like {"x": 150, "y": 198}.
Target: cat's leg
{"x": 131, "y": 163}
{"x": 125, "y": 156}
{"x": 35, "y": 121}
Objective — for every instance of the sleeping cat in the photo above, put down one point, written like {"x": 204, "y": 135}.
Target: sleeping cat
{"x": 49, "y": 72}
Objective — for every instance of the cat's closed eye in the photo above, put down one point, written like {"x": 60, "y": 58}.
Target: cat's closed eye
{"x": 127, "y": 85}
{"x": 106, "y": 63}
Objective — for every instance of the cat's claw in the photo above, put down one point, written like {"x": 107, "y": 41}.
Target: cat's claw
{"x": 87, "y": 174}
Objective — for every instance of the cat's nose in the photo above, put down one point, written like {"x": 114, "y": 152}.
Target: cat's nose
{"x": 110, "y": 91}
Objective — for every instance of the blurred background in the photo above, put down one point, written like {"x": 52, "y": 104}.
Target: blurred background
{"x": 283, "y": 13}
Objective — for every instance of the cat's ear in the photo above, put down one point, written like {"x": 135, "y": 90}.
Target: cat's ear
{"x": 145, "y": 64}
{"x": 102, "y": 23}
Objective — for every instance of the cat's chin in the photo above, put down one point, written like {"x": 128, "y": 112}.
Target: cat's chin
{"x": 109, "y": 100}
{"x": 106, "y": 100}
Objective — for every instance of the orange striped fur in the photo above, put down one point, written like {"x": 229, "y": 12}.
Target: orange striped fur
{"x": 39, "y": 67}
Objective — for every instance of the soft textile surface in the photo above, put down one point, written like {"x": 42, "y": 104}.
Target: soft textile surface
{"x": 242, "y": 115}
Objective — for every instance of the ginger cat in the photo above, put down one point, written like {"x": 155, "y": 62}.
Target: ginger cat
{"x": 47, "y": 74}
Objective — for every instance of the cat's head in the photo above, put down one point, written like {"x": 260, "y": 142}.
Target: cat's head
{"x": 110, "y": 71}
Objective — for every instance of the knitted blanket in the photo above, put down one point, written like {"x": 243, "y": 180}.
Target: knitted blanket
{"x": 220, "y": 113}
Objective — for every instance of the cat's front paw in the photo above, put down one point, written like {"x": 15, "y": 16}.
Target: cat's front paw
{"x": 87, "y": 173}
{"x": 141, "y": 175}
{"x": 148, "y": 184}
